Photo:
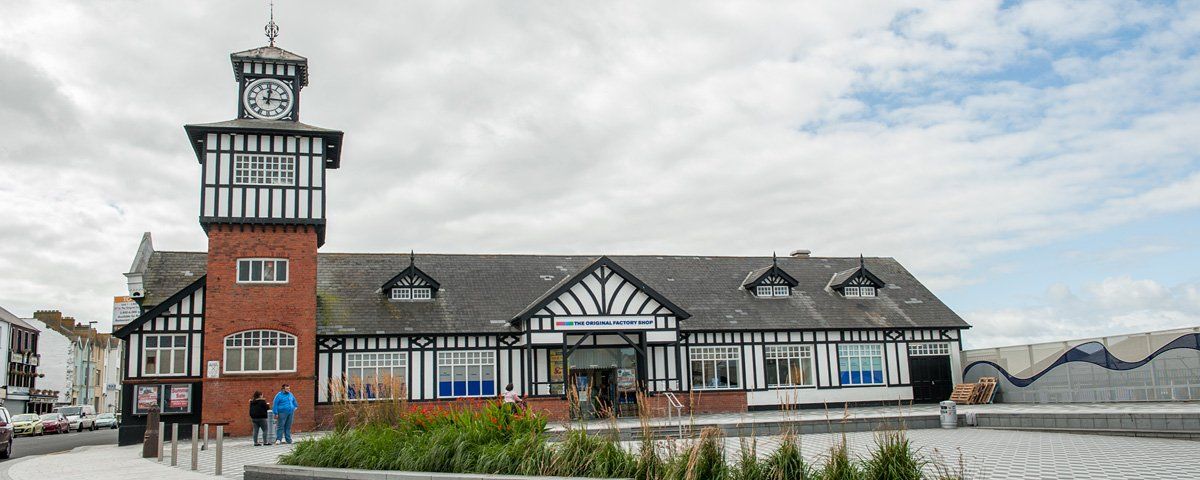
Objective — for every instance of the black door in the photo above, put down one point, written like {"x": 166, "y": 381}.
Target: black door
{"x": 931, "y": 378}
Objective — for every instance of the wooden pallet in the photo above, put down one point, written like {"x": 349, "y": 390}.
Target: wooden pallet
{"x": 987, "y": 390}
{"x": 963, "y": 393}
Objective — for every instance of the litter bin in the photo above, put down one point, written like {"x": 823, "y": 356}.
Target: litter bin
{"x": 949, "y": 414}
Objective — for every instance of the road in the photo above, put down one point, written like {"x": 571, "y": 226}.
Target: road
{"x": 51, "y": 443}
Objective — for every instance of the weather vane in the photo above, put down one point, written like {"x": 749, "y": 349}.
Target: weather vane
{"x": 272, "y": 30}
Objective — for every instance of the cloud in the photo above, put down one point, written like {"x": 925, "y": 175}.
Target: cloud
{"x": 945, "y": 134}
{"x": 1114, "y": 305}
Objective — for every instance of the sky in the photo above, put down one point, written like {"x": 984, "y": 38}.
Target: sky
{"x": 1034, "y": 163}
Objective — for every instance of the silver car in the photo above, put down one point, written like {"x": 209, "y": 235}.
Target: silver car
{"x": 106, "y": 420}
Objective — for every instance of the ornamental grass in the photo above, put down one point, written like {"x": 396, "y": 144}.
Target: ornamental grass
{"x": 487, "y": 437}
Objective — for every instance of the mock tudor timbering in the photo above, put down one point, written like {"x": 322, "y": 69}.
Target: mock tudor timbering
{"x": 261, "y": 307}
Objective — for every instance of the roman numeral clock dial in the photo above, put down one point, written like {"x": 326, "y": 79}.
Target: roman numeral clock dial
{"x": 268, "y": 99}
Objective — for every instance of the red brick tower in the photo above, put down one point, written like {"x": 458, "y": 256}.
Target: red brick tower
{"x": 263, "y": 208}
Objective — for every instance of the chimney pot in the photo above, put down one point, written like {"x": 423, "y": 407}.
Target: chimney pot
{"x": 801, "y": 253}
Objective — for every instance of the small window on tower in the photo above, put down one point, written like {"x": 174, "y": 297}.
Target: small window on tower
{"x": 262, "y": 270}
{"x": 264, "y": 170}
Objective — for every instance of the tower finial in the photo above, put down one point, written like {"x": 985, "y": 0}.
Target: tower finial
{"x": 272, "y": 30}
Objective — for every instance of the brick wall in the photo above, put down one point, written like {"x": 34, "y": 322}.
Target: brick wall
{"x": 699, "y": 402}
{"x": 231, "y": 307}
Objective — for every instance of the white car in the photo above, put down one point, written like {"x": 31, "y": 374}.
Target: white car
{"x": 81, "y": 416}
{"x": 106, "y": 420}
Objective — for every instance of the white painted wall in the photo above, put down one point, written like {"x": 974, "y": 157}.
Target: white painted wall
{"x": 57, "y": 363}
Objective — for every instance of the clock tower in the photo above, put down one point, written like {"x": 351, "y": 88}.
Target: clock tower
{"x": 262, "y": 205}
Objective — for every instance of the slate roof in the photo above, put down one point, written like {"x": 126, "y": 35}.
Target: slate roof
{"x": 269, "y": 54}
{"x": 481, "y": 293}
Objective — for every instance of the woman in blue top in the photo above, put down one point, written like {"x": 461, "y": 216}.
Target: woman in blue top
{"x": 284, "y": 406}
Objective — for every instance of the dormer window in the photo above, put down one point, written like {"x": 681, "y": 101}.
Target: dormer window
{"x": 412, "y": 284}
{"x": 858, "y": 292}
{"x": 770, "y": 282}
{"x": 856, "y": 282}
{"x": 412, "y": 293}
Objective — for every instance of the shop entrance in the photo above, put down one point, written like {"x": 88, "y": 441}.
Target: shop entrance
{"x": 603, "y": 382}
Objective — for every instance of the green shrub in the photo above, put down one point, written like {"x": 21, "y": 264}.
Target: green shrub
{"x": 786, "y": 462}
{"x": 893, "y": 458}
{"x": 839, "y": 466}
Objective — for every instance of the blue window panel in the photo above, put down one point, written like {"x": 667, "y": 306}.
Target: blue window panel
{"x": 445, "y": 389}
{"x": 878, "y": 376}
{"x": 489, "y": 387}
{"x": 856, "y": 377}
{"x": 845, "y": 377}
{"x": 473, "y": 388}
{"x": 460, "y": 388}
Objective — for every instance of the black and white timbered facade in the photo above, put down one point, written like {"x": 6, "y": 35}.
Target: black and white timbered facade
{"x": 758, "y": 332}
{"x": 551, "y": 323}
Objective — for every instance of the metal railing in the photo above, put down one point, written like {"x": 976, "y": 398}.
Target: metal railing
{"x": 678, "y": 406}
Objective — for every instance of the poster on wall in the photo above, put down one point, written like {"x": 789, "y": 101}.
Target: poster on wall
{"x": 146, "y": 398}
{"x": 178, "y": 398}
{"x": 626, "y": 380}
{"x": 556, "y": 371}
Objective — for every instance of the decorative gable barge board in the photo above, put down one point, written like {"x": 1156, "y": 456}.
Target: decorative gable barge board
{"x": 182, "y": 313}
{"x": 601, "y": 271}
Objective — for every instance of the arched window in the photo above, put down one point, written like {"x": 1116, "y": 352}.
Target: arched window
{"x": 258, "y": 351}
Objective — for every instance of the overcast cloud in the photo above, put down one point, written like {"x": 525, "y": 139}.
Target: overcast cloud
{"x": 996, "y": 149}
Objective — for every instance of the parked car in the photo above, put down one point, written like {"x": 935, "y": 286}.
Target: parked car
{"x": 27, "y": 424}
{"x": 81, "y": 416}
{"x": 6, "y": 433}
{"x": 55, "y": 423}
{"x": 106, "y": 420}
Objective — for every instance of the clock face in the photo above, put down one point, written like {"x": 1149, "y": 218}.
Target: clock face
{"x": 268, "y": 98}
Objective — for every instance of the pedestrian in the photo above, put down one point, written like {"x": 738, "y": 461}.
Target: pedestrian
{"x": 512, "y": 399}
{"x": 258, "y": 416}
{"x": 284, "y": 407}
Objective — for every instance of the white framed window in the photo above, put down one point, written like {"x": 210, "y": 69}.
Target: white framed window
{"x": 264, "y": 170}
{"x": 412, "y": 293}
{"x": 789, "y": 366}
{"x": 466, "y": 374}
{"x": 164, "y": 354}
{"x": 928, "y": 349}
{"x": 866, "y": 291}
{"x": 716, "y": 368}
{"x": 262, "y": 270}
{"x": 861, "y": 364}
{"x": 763, "y": 291}
{"x": 376, "y": 375}
{"x": 260, "y": 351}
{"x": 782, "y": 291}
{"x": 849, "y": 292}
{"x": 772, "y": 291}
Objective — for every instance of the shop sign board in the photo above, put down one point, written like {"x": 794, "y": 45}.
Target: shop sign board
{"x": 604, "y": 322}
{"x": 146, "y": 398}
{"x": 125, "y": 310}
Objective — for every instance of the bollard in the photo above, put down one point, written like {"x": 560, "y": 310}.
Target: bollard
{"x": 162, "y": 432}
{"x": 220, "y": 449}
{"x": 205, "y": 447}
{"x": 195, "y": 448}
{"x": 153, "y": 436}
{"x": 174, "y": 444}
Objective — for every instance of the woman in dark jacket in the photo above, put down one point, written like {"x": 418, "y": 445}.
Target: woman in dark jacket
{"x": 258, "y": 415}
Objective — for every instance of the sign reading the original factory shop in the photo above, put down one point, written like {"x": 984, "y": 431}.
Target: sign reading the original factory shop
{"x": 604, "y": 323}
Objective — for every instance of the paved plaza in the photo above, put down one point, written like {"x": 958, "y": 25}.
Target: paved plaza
{"x": 902, "y": 410}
